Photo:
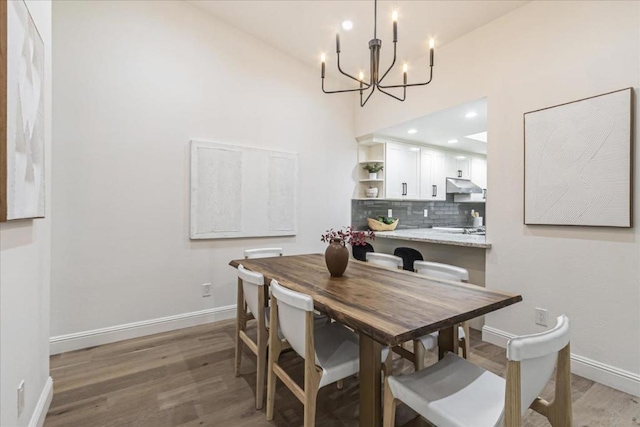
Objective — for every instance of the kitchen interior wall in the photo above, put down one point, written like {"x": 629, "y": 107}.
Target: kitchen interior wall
{"x": 540, "y": 55}
{"x": 25, "y": 262}
{"x": 135, "y": 81}
{"x": 411, "y": 212}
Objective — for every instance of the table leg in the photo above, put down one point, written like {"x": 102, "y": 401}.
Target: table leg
{"x": 448, "y": 341}
{"x": 370, "y": 382}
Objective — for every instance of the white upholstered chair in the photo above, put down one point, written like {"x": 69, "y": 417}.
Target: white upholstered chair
{"x": 262, "y": 253}
{"x": 429, "y": 342}
{"x": 384, "y": 260}
{"x": 330, "y": 351}
{"x": 456, "y": 393}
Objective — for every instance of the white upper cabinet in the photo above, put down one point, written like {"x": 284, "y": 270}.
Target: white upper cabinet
{"x": 402, "y": 170}
{"x": 458, "y": 166}
{"x": 432, "y": 176}
{"x": 479, "y": 171}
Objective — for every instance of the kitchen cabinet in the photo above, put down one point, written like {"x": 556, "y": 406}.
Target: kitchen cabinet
{"x": 478, "y": 177}
{"x": 432, "y": 176}
{"x": 458, "y": 166}
{"x": 401, "y": 171}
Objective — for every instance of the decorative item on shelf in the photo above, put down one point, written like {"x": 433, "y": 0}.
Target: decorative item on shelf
{"x": 371, "y": 192}
{"x": 376, "y": 77}
{"x": 373, "y": 169}
{"x": 383, "y": 223}
{"x": 337, "y": 255}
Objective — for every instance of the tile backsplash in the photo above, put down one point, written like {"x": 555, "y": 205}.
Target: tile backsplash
{"x": 411, "y": 213}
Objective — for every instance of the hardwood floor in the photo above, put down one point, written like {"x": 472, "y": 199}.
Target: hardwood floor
{"x": 185, "y": 378}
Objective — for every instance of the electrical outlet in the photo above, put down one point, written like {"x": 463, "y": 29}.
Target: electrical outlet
{"x": 21, "y": 397}
{"x": 426, "y": 213}
{"x": 542, "y": 317}
{"x": 390, "y": 213}
{"x": 206, "y": 290}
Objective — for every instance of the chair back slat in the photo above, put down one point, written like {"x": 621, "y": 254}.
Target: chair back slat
{"x": 252, "y": 285}
{"x": 441, "y": 271}
{"x": 537, "y": 355}
{"x": 384, "y": 260}
{"x": 262, "y": 253}
{"x": 292, "y": 309}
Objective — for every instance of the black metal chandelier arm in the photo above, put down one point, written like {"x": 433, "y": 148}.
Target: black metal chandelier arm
{"x": 391, "y": 66}
{"x": 404, "y": 96}
{"x": 412, "y": 84}
{"x": 373, "y": 88}
{"x": 344, "y": 90}
{"x": 349, "y": 75}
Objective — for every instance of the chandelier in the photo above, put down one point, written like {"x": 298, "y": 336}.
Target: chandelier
{"x": 375, "y": 80}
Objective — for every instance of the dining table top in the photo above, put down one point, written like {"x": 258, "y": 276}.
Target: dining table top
{"x": 389, "y": 305}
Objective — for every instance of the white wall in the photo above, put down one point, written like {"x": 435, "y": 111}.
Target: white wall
{"x": 544, "y": 54}
{"x": 135, "y": 81}
{"x": 25, "y": 263}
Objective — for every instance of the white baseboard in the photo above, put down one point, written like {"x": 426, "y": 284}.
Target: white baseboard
{"x": 85, "y": 339}
{"x": 42, "y": 407}
{"x": 602, "y": 373}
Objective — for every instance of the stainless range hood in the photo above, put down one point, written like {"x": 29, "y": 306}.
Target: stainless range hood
{"x": 462, "y": 186}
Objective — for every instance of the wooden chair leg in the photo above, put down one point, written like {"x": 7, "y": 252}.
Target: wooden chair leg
{"x": 466, "y": 342}
{"x": 418, "y": 354}
{"x": 513, "y": 399}
{"x": 389, "y": 416}
{"x": 239, "y": 327}
{"x": 310, "y": 399}
{"x": 261, "y": 369}
{"x": 275, "y": 347}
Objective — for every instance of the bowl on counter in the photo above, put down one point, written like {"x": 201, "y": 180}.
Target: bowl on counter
{"x": 376, "y": 225}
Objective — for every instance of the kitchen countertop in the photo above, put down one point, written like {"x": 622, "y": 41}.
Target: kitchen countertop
{"x": 428, "y": 235}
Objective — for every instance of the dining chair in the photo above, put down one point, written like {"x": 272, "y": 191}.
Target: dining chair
{"x": 360, "y": 251}
{"x": 384, "y": 260}
{"x": 330, "y": 351}
{"x": 455, "y": 393}
{"x": 429, "y": 342}
{"x": 262, "y": 253}
{"x": 251, "y": 293}
{"x": 409, "y": 256}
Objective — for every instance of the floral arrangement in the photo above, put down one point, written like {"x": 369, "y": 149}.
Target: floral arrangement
{"x": 348, "y": 235}
{"x": 373, "y": 168}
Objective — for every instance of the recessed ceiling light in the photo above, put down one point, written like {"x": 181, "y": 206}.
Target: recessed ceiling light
{"x": 461, "y": 157}
{"x": 412, "y": 131}
{"x": 452, "y": 141}
{"x": 482, "y": 136}
{"x": 347, "y": 25}
{"x": 471, "y": 114}
{"x": 414, "y": 149}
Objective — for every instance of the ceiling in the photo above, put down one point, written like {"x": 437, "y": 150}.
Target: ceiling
{"x": 306, "y": 28}
{"x": 445, "y": 125}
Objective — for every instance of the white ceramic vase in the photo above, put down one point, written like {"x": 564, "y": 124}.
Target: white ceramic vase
{"x": 371, "y": 192}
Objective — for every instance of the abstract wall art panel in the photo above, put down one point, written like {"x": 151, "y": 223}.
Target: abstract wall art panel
{"x": 578, "y": 162}
{"x": 242, "y": 191}
{"x": 22, "y": 175}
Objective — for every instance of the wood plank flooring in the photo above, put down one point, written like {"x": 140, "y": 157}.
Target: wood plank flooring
{"x": 185, "y": 378}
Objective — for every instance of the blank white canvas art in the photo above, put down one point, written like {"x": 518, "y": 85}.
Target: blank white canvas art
{"x": 241, "y": 191}
{"x": 578, "y": 162}
{"x": 25, "y": 115}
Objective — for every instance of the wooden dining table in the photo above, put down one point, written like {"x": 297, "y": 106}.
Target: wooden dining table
{"x": 386, "y": 307}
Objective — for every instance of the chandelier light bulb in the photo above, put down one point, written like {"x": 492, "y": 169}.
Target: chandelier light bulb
{"x": 361, "y": 76}
{"x": 405, "y": 68}
{"x": 432, "y": 43}
{"x": 323, "y": 57}
{"x": 394, "y": 15}
{"x": 347, "y": 25}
